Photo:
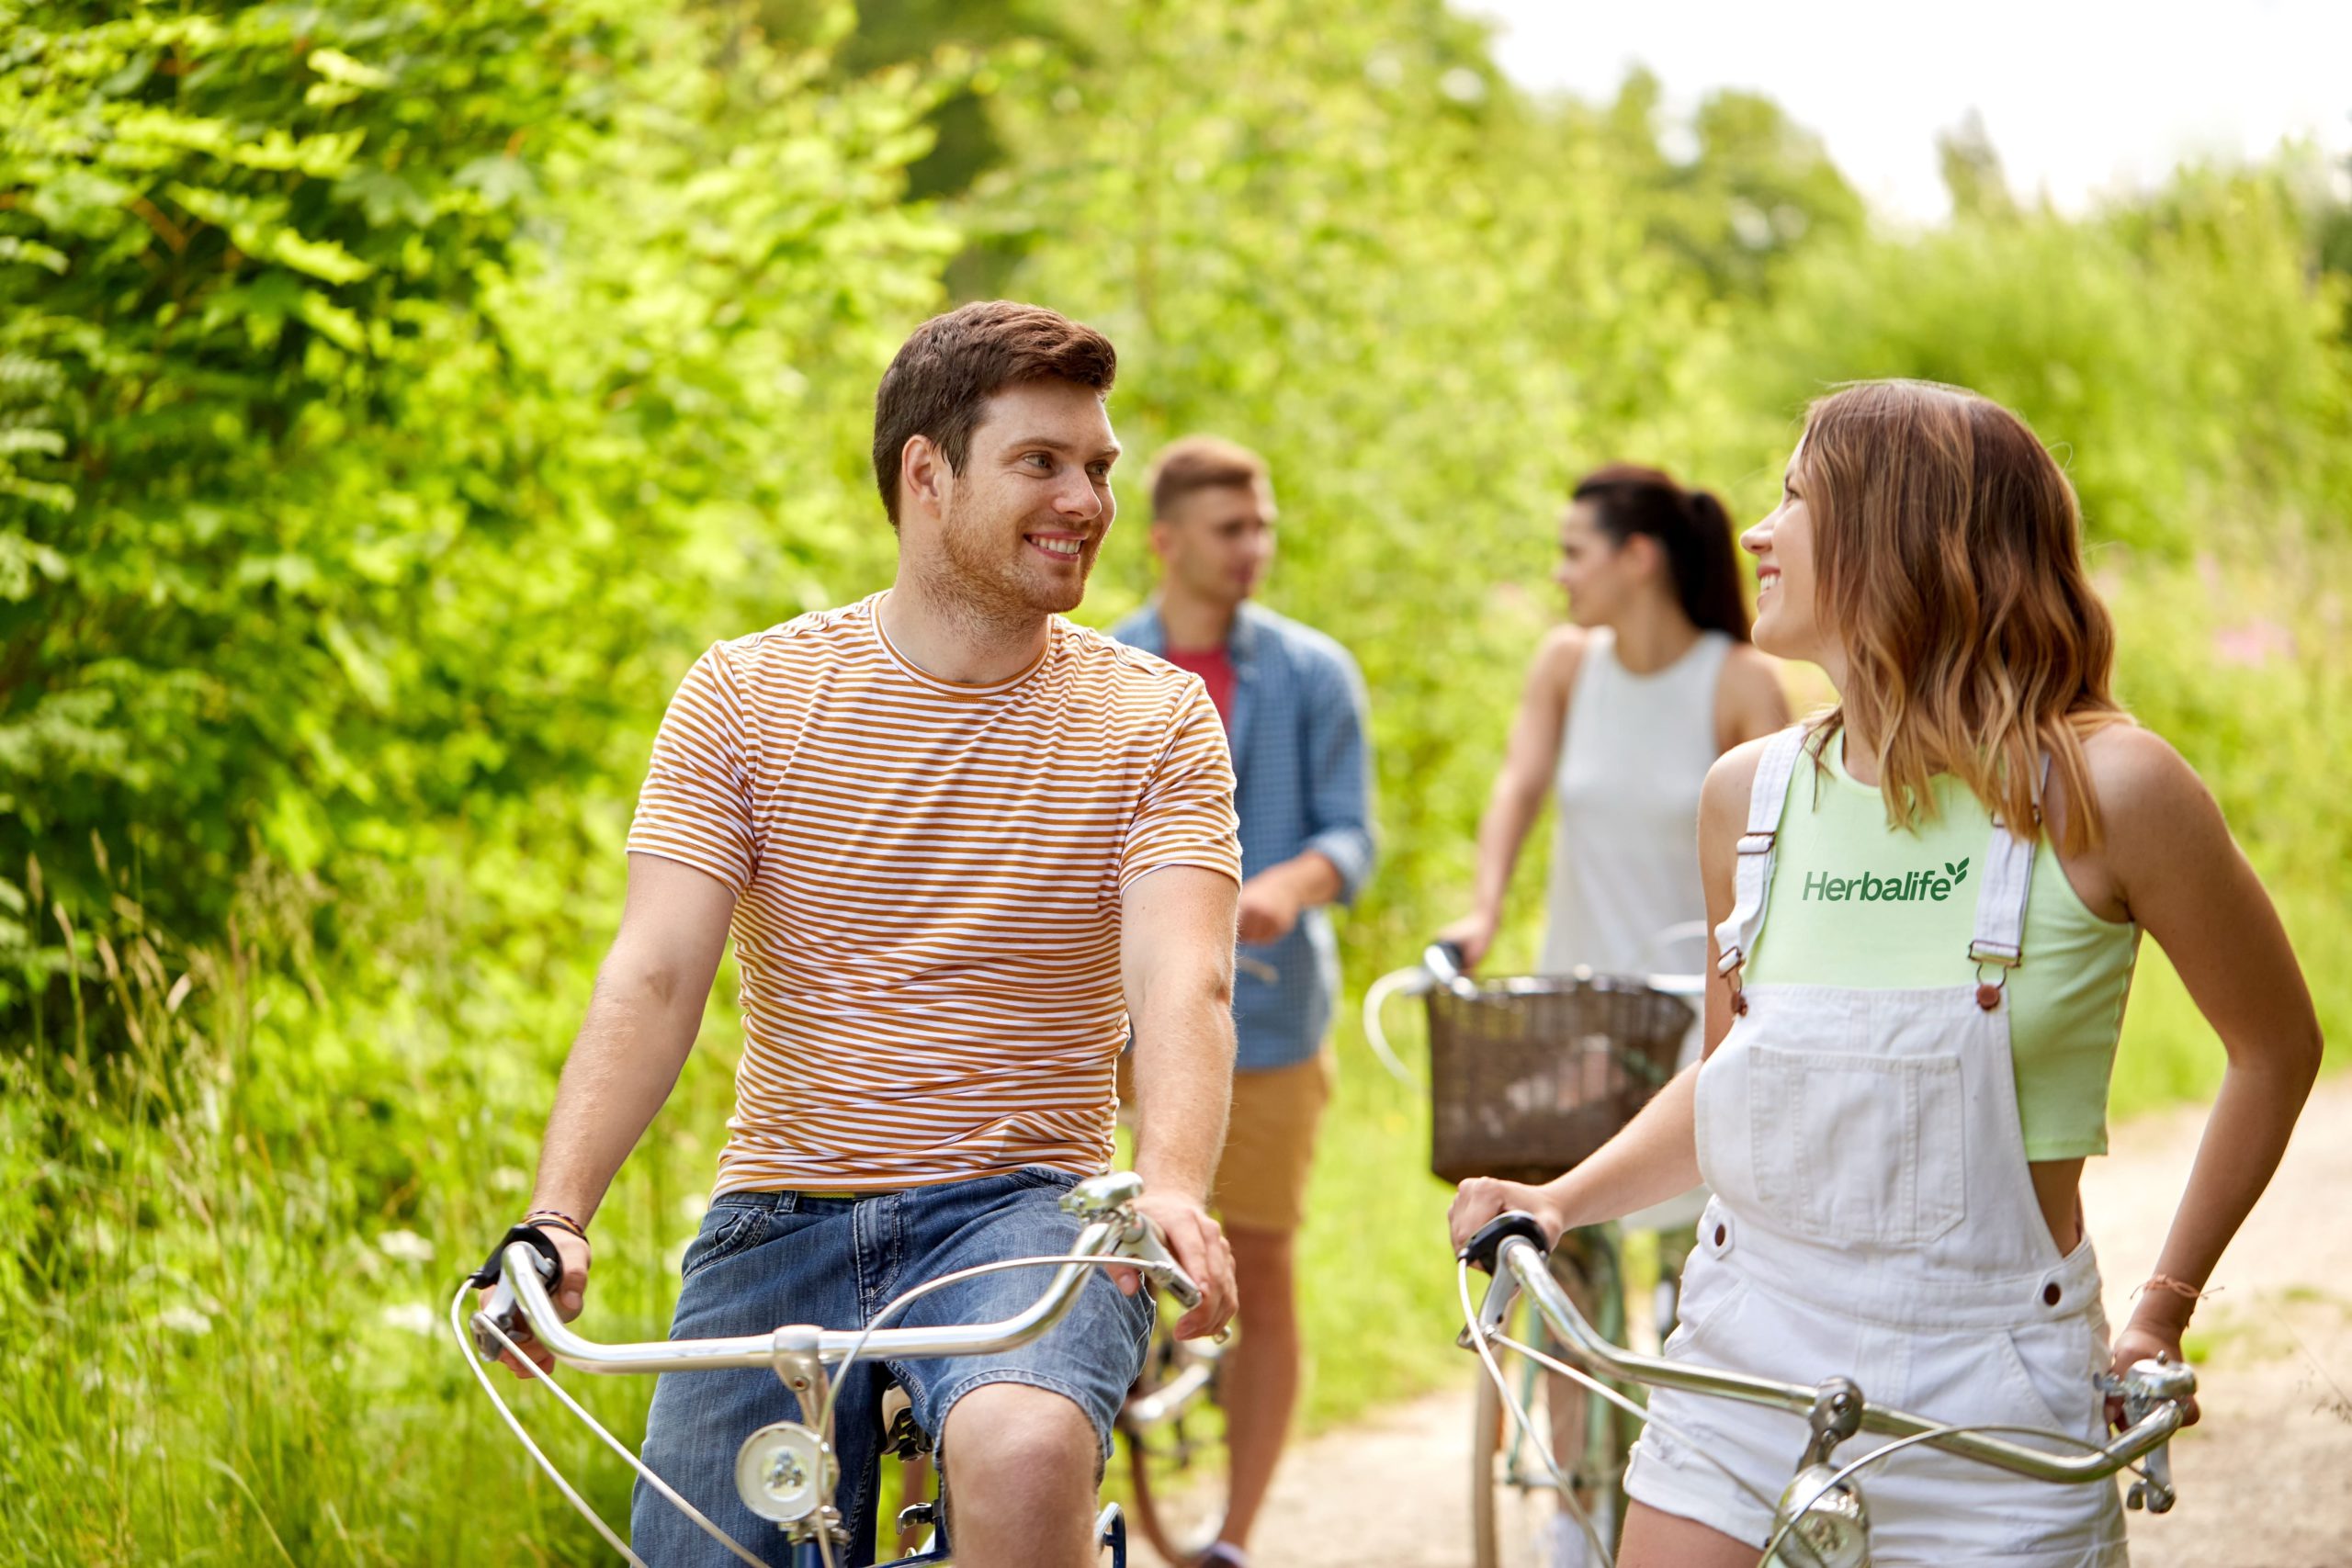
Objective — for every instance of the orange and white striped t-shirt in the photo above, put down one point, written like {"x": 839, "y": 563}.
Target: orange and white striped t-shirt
{"x": 928, "y": 880}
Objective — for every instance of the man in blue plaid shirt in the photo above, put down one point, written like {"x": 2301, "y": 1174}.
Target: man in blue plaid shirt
{"x": 1294, "y": 711}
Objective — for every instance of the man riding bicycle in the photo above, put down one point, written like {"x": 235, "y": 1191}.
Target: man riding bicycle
{"x": 960, "y": 843}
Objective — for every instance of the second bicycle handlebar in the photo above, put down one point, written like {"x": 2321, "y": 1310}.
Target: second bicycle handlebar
{"x": 1520, "y": 1265}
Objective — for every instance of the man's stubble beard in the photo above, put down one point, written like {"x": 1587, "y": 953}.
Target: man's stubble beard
{"x": 973, "y": 579}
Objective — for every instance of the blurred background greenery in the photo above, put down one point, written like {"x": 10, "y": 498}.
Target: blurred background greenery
{"x": 395, "y": 398}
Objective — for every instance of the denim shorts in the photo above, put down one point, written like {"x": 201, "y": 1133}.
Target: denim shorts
{"x": 767, "y": 1259}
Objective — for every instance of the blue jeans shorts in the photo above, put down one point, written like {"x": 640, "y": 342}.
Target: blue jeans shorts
{"x": 766, "y": 1258}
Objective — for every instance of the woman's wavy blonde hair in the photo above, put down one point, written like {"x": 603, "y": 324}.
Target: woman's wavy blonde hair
{"x": 1948, "y": 549}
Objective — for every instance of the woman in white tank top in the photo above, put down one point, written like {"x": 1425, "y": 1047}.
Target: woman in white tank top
{"x": 1624, "y": 713}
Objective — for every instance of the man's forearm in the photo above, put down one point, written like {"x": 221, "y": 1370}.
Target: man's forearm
{"x": 621, "y": 1068}
{"x": 1184, "y": 1079}
{"x": 1308, "y": 878}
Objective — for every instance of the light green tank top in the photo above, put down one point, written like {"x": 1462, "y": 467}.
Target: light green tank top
{"x": 1859, "y": 904}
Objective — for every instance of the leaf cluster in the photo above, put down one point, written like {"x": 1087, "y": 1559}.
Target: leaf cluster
{"x": 389, "y": 395}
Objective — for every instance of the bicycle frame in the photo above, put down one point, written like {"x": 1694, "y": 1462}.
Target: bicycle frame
{"x": 1836, "y": 1409}
{"x": 1595, "y": 1468}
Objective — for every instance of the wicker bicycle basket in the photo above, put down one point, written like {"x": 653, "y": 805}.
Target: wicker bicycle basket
{"x": 1530, "y": 1074}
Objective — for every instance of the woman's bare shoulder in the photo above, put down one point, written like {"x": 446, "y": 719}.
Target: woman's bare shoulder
{"x": 1554, "y": 668}
{"x": 2135, "y": 772}
{"x": 1563, "y": 645}
{"x": 2156, "y": 819}
{"x": 1729, "y": 780}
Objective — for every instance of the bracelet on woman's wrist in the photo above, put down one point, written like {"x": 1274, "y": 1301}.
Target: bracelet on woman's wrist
{"x": 562, "y": 1220}
{"x": 2166, "y": 1299}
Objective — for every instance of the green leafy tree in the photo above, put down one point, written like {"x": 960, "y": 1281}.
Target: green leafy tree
{"x": 376, "y": 390}
{"x": 1972, "y": 170}
{"x": 236, "y": 250}
{"x": 1731, "y": 195}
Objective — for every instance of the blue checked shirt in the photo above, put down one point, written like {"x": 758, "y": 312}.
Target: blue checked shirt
{"x": 1296, "y": 726}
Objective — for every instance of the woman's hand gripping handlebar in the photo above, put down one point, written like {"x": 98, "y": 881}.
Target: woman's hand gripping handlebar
{"x": 518, "y": 1300}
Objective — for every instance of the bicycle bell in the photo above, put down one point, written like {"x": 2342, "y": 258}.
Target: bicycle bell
{"x": 1833, "y": 1527}
{"x": 783, "y": 1472}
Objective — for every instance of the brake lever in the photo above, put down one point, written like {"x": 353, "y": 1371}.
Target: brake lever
{"x": 503, "y": 1310}
{"x": 1143, "y": 1243}
{"x": 2143, "y": 1386}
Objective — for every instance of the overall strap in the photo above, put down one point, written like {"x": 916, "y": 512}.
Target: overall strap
{"x": 1999, "y": 939}
{"x": 1752, "y": 877}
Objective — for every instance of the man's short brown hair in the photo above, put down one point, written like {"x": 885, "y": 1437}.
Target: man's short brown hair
{"x": 954, "y": 363}
{"x": 1202, "y": 462}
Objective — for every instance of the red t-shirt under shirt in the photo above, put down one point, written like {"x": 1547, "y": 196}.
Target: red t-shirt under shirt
{"x": 1216, "y": 671}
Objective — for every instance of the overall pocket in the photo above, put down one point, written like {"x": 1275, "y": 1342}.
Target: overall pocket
{"x": 2036, "y": 1376}
{"x": 1711, "y": 1298}
{"x": 2056, "y": 1366}
{"x": 1858, "y": 1149}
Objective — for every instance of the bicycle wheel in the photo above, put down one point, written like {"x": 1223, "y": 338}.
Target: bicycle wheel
{"x": 1516, "y": 1514}
{"x": 1172, "y": 1426}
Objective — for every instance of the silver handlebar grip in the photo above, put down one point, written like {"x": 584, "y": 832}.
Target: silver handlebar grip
{"x": 1145, "y": 1245}
{"x": 2145, "y": 1386}
{"x": 502, "y": 1309}
{"x": 1111, "y": 1197}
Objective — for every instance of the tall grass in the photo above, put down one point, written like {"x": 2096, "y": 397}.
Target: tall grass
{"x": 234, "y": 1222}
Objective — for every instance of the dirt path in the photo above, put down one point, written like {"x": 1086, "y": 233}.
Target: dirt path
{"x": 2265, "y": 1479}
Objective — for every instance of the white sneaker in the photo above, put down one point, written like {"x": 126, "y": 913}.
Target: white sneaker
{"x": 1564, "y": 1544}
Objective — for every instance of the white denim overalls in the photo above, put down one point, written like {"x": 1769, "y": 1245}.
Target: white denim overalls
{"x": 1874, "y": 1218}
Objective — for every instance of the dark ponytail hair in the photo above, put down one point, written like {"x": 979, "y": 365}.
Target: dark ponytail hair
{"x": 1691, "y": 526}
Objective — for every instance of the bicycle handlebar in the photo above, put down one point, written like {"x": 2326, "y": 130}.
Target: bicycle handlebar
{"x": 1443, "y": 962}
{"x": 1520, "y": 1265}
{"x": 1145, "y": 1245}
{"x": 1113, "y": 1229}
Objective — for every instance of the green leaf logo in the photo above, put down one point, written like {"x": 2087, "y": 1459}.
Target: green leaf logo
{"x": 1959, "y": 873}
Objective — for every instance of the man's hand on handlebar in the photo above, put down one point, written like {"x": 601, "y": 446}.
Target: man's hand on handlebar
{"x": 1200, "y": 1248}
{"x": 569, "y": 1294}
{"x": 1481, "y": 1198}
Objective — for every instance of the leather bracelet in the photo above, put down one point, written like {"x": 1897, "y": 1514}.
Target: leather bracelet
{"x": 564, "y": 1221}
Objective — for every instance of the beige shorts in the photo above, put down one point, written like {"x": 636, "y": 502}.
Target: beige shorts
{"x": 1270, "y": 1145}
{"x": 1268, "y": 1142}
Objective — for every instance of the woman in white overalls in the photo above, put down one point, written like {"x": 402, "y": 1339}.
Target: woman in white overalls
{"x": 1909, "y": 1046}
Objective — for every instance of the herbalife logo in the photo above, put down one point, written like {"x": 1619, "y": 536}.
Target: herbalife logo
{"x": 1902, "y": 888}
